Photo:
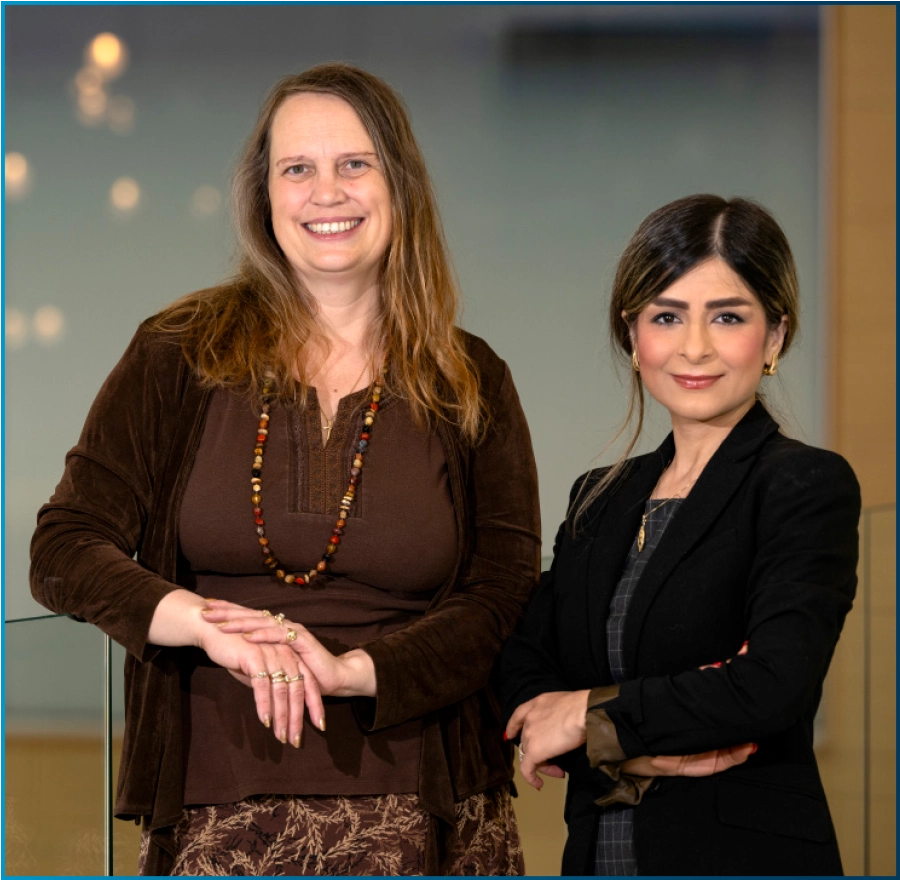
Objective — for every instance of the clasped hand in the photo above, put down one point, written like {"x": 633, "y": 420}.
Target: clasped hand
{"x": 288, "y": 668}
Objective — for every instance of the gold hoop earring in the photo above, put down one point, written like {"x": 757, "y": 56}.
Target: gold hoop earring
{"x": 771, "y": 369}
{"x": 634, "y": 362}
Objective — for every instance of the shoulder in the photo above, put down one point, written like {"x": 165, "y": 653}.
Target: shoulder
{"x": 789, "y": 465}
{"x": 154, "y": 351}
{"x": 152, "y": 367}
{"x": 492, "y": 369}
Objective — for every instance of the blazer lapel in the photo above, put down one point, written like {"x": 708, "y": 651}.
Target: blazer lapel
{"x": 616, "y": 528}
{"x": 712, "y": 493}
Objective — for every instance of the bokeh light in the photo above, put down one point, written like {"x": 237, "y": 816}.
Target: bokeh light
{"x": 205, "y": 201}
{"x": 49, "y": 324}
{"x": 108, "y": 54}
{"x": 125, "y": 195}
{"x": 92, "y": 106}
{"x": 88, "y": 81}
{"x": 16, "y": 325}
{"x": 17, "y": 175}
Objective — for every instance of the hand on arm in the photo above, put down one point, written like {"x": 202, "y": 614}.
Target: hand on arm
{"x": 179, "y": 621}
{"x": 351, "y": 674}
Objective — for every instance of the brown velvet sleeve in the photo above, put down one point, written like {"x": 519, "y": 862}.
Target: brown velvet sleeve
{"x": 448, "y": 654}
{"x": 89, "y": 531}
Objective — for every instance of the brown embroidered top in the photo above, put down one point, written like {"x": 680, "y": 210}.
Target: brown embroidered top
{"x": 399, "y": 547}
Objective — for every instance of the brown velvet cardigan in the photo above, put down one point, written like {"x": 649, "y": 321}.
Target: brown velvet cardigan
{"x": 106, "y": 551}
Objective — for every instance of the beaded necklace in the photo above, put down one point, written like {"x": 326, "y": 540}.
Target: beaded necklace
{"x": 362, "y": 444}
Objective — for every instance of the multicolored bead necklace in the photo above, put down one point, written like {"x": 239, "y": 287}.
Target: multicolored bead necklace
{"x": 337, "y": 533}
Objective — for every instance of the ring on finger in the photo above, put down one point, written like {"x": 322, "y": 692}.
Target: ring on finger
{"x": 279, "y": 619}
{"x": 297, "y": 677}
{"x": 521, "y": 753}
{"x": 278, "y": 676}
{"x": 262, "y": 674}
{"x": 266, "y": 613}
{"x": 290, "y": 636}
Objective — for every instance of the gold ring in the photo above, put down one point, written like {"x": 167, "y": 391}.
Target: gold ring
{"x": 297, "y": 677}
{"x": 291, "y": 636}
{"x": 278, "y": 676}
{"x": 279, "y": 619}
{"x": 267, "y": 613}
{"x": 262, "y": 674}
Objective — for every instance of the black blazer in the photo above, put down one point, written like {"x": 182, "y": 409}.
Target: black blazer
{"x": 764, "y": 548}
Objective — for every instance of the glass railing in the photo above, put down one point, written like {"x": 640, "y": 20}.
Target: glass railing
{"x": 64, "y": 715}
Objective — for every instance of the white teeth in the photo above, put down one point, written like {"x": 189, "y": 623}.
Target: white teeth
{"x": 332, "y": 228}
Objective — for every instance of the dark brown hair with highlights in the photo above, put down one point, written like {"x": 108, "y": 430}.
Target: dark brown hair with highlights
{"x": 669, "y": 243}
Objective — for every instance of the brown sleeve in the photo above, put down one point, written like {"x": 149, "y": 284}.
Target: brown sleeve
{"x": 606, "y": 754}
{"x": 89, "y": 531}
{"x": 448, "y": 654}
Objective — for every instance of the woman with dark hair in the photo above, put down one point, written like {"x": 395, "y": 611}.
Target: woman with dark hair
{"x": 319, "y": 447}
{"x": 696, "y": 593}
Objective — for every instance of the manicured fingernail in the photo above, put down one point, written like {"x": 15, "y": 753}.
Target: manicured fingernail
{"x": 505, "y": 737}
{"x": 283, "y": 736}
{"x": 718, "y": 665}
{"x": 322, "y": 724}
{"x": 754, "y": 748}
{"x": 297, "y": 741}
{"x": 267, "y": 720}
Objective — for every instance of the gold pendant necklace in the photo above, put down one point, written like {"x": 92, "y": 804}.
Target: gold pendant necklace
{"x": 329, "y": 423}
{"x": 642, "y": 534}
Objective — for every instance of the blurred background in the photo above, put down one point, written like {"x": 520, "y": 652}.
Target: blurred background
{"x": 550, "y": 131}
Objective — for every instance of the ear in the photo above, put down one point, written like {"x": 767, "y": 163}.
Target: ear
{"x": 631, "y": 326}
{"x": 775, "y": 341}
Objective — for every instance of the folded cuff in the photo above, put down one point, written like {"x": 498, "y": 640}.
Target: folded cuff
{"x": 602, "y": 739}
{"x": 606, "y": 754}
{"x": 627, "y": 790}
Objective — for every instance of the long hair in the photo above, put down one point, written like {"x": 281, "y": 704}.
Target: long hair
{"x": 263, "y": 318}
{"x": 672, "y": 241}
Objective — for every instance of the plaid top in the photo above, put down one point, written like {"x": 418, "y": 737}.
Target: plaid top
{"x": 614, "y": 855}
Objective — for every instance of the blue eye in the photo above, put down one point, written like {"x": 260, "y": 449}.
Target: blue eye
{"x": 356, "y": 166}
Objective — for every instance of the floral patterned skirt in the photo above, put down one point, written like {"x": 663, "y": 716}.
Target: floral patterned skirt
{"x": 331, "y": 836}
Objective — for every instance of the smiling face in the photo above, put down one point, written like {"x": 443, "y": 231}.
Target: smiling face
{"x": 330, "y": 202}
{"x": 702, "y": 344}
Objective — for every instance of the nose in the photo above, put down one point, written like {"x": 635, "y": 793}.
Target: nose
{"x": 327, "y": 188}
{"x": 697, "y": 343}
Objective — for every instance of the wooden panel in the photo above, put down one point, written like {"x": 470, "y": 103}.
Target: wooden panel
{"x": 860, "y": 97}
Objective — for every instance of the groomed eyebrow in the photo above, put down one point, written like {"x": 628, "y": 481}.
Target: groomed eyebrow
{"x": 728, "y": 303}
{"x": 296, "y": 160}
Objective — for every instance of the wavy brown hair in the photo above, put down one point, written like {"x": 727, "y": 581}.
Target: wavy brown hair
{"x": 672, "y": 241}
{"x": 263, "y": 318}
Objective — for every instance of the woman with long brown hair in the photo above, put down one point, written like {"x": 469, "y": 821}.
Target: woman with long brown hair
{"x": 316, "y": 445}
{"x": 697, "y": 592}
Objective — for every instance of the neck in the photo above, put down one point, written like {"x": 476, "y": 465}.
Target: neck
{"x": 697, "y": 442}
{"x": 345, "y": 312}
{"x": 345, "y": 318}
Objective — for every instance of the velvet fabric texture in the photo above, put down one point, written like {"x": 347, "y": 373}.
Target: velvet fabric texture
{"x": 764, "y": 548}
{"x": 106, "y": 551}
